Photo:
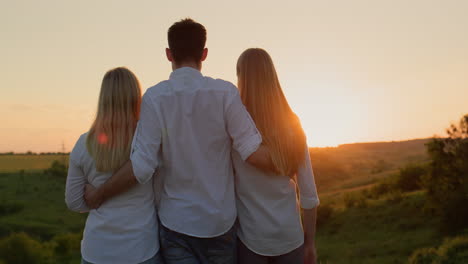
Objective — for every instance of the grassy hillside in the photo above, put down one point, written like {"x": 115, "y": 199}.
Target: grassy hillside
{"x": 361, "y": 164}
{"x": 382, "y": 230}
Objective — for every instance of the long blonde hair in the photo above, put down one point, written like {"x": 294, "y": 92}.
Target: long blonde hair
{"x": 110, "y": 137}
{"x": 263, "y": 97}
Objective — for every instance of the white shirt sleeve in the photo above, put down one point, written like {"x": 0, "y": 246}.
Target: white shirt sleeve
{"x": 75, "y": 184}
{"x": 146, "y": 142}
{"x": 244, "y": 134}
{"x": 306, "y": 183}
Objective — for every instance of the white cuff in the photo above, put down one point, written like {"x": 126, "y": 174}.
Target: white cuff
{"x": 142, "y": 171}
{"x": 250, "y": 146}
{"x": 309, "y": 203}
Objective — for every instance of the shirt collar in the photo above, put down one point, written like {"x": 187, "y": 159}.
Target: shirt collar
{"x": 185, "y": 71}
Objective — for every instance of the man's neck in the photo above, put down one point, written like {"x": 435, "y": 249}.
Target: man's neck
{"x": 190, "y": 64}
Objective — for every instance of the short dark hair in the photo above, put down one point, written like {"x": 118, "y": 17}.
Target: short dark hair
{"x": 187, "y": 40}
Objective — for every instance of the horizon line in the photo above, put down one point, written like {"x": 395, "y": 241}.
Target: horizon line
{"x": 29, "y": 152}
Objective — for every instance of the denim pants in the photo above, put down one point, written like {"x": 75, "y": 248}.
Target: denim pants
{"x": 247, "y": 256}
{"x": 154, "y": 260}
{"x": 177, "y": 248}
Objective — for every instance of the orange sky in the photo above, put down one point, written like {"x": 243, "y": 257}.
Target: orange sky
{"x": 353, "y": 71}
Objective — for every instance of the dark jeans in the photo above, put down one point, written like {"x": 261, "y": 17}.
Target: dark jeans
{"x": 177, "y": 248}
{"x": 247, "y": 256}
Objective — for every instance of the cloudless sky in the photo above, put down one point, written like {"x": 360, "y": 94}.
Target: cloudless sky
{"x": 354, "y": 71}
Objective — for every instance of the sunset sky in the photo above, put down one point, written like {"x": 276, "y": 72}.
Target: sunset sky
{"x": 354, "y": 71}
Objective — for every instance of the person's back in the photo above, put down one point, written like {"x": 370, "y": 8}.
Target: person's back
{"x": 125, "y": 228}
{"x": 196, "y": 152}
{"x": 189, "y": 125}
{"x": 270, "y": 229}
{"x": 268, "y": 209}
{"x": 119, "y": 231}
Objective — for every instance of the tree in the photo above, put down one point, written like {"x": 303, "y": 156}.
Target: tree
{"x": 447, "y": 180}
{"x": 57, "y": 169}
{"x": 409, "y": 178}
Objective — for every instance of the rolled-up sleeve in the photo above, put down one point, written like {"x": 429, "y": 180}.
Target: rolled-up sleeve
{"x": 146, "y": 142}
{"x": 244, "y": 134}
{"x": 306, "y": 182}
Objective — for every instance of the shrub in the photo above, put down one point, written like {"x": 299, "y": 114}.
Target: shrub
{"x": 379, "y": 190}
{"x": 409, "y": 178}
{"x": 358, "y": 200}
{"x": 454, "y": 251}
{"x": 423, "y": 256}
{"x": 66, "y": 244}
{"x": 20, "y": 248}
{"x": 57, "y": 169}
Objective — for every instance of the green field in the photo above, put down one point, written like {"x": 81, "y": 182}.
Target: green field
{"x": 33, "y": 203}
{"x": 383, "y": 230}
{"x": 29, "y": 163}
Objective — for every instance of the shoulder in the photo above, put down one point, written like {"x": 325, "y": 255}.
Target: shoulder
{"x": 81, "y": 142}
{"x": 155, "y": 93}
{"x": 157, "y": 89}
{"x": 79, "y": 149}
{"x": 221, "y": 85}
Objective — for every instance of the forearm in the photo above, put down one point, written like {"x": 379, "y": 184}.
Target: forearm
{"x": 261, "y": 159}
{"x": 309, "y": 223}
{"x": 120, "y": 182}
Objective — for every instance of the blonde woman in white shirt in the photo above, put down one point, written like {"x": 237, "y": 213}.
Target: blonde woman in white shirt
{"x": 270, "y": 227}
{"x": 124, "y": 229}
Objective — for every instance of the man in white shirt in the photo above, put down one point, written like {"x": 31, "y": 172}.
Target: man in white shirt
{"x": 188, "y": 126}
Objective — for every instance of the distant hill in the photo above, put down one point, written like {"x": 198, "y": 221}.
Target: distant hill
{"x": 352, "y": 165}
{"x": 343, "y": 167}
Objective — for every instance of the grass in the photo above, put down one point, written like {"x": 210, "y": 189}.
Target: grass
{"x": 29, "y": 163}
{"x": 384, "y": 232}
{"x": 41, "y": 211}
{"x": 33, "y": 203}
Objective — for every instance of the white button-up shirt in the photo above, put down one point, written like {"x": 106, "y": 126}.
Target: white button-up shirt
{"x": 124, "y": 230}
{"x": 188, "y": 127}
{"x": 268, "y": 209}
